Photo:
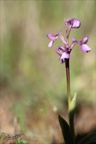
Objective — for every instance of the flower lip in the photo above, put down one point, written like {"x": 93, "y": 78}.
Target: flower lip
{"x": 65, "y": 56}
{"x": 50, "y": 44}
{"x": 85, "y": 48}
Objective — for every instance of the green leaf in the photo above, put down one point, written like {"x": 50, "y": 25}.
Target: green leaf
{"x": 71, "y": 111}
{"x": 65, "y": 130}
{"x": 21, "y": 141}
{"x": 89, "y": 139}
{"x": 72, "y": 105}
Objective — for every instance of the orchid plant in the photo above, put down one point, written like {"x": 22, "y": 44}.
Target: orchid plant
{"x": 64, "y": 52}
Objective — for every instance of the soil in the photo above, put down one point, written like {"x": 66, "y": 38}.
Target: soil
{"x": 46, "y": 129}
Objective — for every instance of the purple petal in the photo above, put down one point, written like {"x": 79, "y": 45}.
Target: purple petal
{"x": 84, "y": 40}
{"x": 52, "y": 36}
{"x": 50, "y": 44}
{"x": 85, "y": 48}
{"x": 60, "y": 49}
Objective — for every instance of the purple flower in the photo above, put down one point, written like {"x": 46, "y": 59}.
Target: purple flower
{"x": 85, "y": 48}
{"x": 63, "y": 52}
{"x": 52, "y": 37}
{"x": 75, "y": 23}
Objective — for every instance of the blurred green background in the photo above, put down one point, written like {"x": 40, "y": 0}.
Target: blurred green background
{"x": 31, "y": 77}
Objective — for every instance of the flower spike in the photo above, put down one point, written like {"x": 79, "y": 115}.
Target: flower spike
{"x": 65, "y": 50}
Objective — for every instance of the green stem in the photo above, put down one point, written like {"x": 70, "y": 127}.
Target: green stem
{"x": 71, "y": 115}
